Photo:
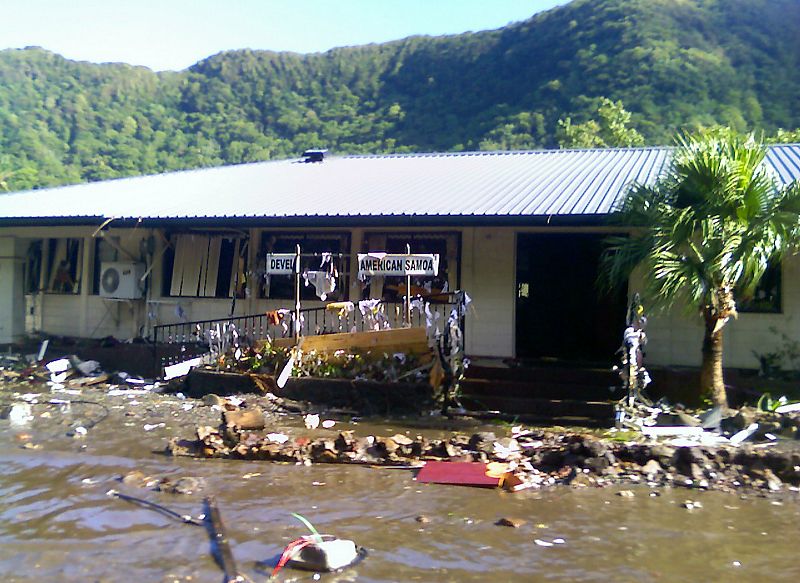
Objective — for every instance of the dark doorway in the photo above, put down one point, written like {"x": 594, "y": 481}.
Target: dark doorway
{"x": 560, "y": 312}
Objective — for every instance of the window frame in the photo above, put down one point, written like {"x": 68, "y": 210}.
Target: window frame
{"x": 286, "y": 283}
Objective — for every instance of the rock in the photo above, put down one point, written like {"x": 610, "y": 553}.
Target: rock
{"x": 691, "y": 504}
{"x": 626, "y": 493}
{"x": 186, "y": 485}
{"x": 344, "y": 442}
{"x": 597, "y": 464}
{"x": 211, "y": 400}
{"x": 652, "y": 468}
{"x": 401, "y": 439}
{"x": 422, "y": 519}
{"x": 248, "y": 419}
{"x": 510, "y": 522}
{"x": 595, "y": 448}
{"x": 581, "y": 480}
{"x": 134, "y": 478}
{"x": 662, "y": 453}
{"x": 483, "y": 441}
{"x": 390, "y": 444}
{"x": 696, "y": 472}
{"x": 772, "y": 481}
{"x": 743, "y": 418}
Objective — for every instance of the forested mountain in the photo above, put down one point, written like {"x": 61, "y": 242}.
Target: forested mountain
{"x": 673, "y": 63}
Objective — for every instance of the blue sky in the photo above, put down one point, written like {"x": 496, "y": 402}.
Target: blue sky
{"x": 174, "y": 34}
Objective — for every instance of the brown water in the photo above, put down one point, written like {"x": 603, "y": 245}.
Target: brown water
{"x": 58, "y": 524}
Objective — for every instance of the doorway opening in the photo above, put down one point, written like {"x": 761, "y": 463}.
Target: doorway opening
{"x": 560, "y": 313}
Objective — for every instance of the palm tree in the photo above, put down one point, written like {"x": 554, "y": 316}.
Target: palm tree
{"x": 705, "y": 232}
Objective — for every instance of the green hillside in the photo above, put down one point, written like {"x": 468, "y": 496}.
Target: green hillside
{"x": 674, "y": 64}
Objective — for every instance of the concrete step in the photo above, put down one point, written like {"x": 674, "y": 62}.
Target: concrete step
{"x": 536, "y": 388}
{"x": 542, "y": 408}
{"x": 555, "y": 374}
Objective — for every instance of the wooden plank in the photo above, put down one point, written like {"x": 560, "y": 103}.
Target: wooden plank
{"x": 457, "y": 473}
{"x": 181, "y": 245}
{"x": 407, "y": 340}
{"x": 208, "y": 287}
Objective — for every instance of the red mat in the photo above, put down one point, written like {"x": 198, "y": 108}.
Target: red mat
{"x": 458, "y": 473}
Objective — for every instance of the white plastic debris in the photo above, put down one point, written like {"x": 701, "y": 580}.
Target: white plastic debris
{"x": 126, "y": 392}
{"x": 42, "y": 350}
{"x": 151, "y": 426}
{"x": 744, "y": 434}
{"x": 88, "y": 367}
{"x": 58, "y": 378}
{"x": 277, "y": 437}
{"x": 542, "y": 543}
{"x": 80, "y": 431}
{"x": 328, "y": 423}
{"x": 20, "y": 414}
{"x": 60, "y": 365}
{"x": 182, "y": 368}
{"x": 328, "y": 554}
{"x": 791, "y": 408}
{"x": 311, "y": 421}
{"x": 672, "y": 431}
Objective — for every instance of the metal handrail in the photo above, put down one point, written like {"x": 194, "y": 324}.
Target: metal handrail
{"x": 180, "y": 341}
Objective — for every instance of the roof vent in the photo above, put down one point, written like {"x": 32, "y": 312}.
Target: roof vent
{"x": 314, "y": 155}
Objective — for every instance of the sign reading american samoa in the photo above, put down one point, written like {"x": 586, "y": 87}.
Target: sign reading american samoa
{"x": 397, "y": 265}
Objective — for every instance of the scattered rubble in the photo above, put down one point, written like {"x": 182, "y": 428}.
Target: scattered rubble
{"x": 547, "y": 458}
{"x": 747, "y": 449}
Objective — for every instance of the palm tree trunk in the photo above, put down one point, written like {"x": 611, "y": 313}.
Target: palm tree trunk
{"x": 711, "y": 380}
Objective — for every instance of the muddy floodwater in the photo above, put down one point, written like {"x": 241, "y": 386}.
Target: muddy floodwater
{"x": 57, "y": 522}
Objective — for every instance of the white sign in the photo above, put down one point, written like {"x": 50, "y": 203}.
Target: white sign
{"x": 402, "y": 265}
{"x": 280, "y": 263}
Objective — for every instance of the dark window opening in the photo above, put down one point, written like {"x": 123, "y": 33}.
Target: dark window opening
{"x": 312, "y": 246}
{"x": 766, "y": 297}
{"x": 391, "y": 289}
{"x": 64, "y": 266}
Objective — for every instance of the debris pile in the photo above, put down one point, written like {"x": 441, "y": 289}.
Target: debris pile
{"x": 534, "y": 459}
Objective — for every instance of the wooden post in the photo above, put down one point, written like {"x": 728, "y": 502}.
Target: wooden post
{"x": 408, "y": 291}
{"x": 297, "y": 295}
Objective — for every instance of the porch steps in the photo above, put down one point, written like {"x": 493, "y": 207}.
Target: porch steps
{"x": 543, "y": 394}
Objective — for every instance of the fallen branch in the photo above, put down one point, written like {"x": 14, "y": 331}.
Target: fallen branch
{"x": 219, "y": 542}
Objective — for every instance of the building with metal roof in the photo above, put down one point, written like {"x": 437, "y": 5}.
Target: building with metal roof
{"x": 511, "y": 228}
{"x": 573, "y": 185}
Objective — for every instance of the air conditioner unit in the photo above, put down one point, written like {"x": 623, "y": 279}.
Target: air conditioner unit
{"x": 121, "y": 280}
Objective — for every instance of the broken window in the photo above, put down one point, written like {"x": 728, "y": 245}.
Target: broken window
{"x": 766, "y": 297}
{"x": 64, "y": 266}
{"x": 312, "y": 246}
{"x": 33, "y": 266}
{"x": 206, "y": 266}
{"x": 446, "y": 245}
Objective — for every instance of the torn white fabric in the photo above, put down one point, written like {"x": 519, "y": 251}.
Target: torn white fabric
{"x": 324, "y": 282}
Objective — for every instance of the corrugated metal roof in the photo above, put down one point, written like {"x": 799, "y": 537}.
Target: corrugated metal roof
{"x": 571, "y": 183}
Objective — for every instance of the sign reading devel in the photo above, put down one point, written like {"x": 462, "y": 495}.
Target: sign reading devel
{"x": 280, "y": 263}
{"x": 402, "y": 265}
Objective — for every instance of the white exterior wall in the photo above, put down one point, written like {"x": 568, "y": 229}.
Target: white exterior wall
{"x": 487, "y": 271}
{"x": 12, "y": 300}
{"x": 676, "y": 338}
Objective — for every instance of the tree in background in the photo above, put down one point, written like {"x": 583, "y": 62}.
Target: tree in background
{"x": 783, "y": 136}
{"x": 709, "y": 226}
{"x": 611, "y": 129}
{"x": 13, "y": 177}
